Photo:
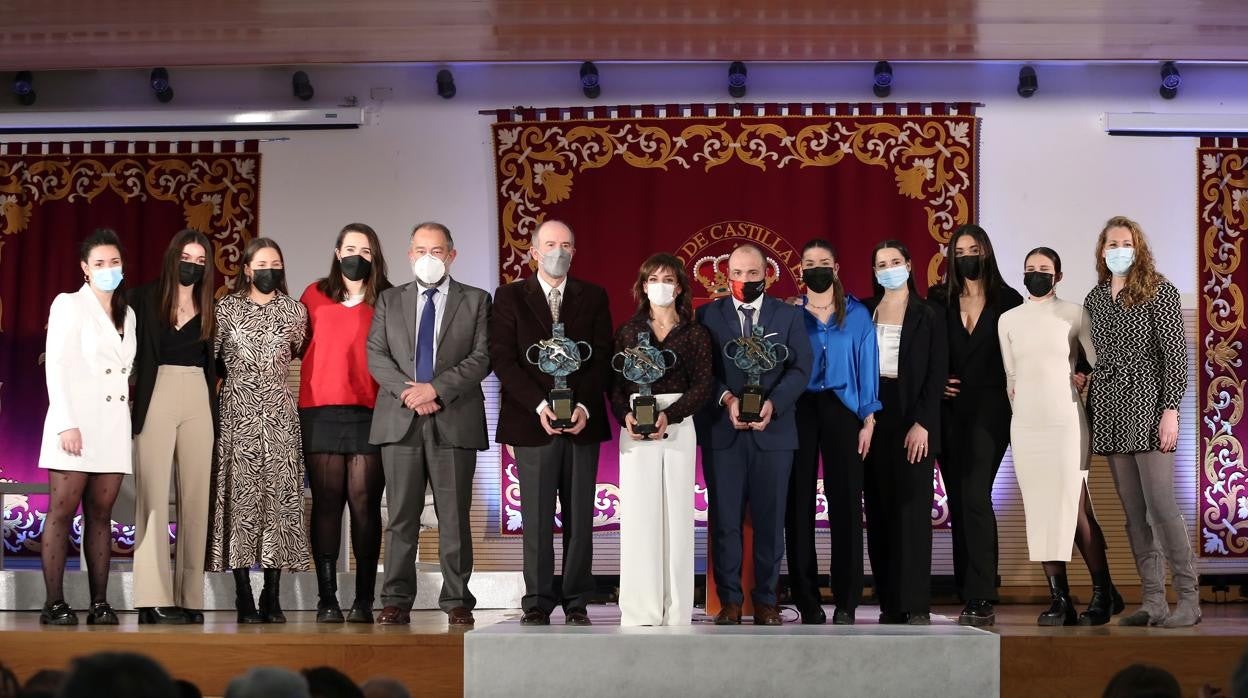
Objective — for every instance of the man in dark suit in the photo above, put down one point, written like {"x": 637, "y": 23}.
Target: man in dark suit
{"x": 428, "y": 352}
{"x": 748, "y": 463}
{"x": 553, "y": 462}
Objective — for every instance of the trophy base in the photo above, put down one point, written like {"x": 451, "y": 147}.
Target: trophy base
{"x": 751, "y": 405}
{"x": 562, "y": 404}
{"x": 646, "y": 415}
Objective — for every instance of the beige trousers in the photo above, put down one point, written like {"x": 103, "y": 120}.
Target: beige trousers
{"x": 178, "y": 423}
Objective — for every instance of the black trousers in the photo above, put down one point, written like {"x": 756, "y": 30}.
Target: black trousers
{"x": 899, "y": 512}
{"x": 827, "y": 429}
{"x": 976, "y": 432}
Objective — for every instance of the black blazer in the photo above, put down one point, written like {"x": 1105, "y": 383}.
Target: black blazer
{"x": 148, "y": 327}
{"x": 975, "y": 357}
{"x": 922, "y": 366}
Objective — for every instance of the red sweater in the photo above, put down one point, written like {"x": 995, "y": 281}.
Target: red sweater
{"x": 335, "y": 365}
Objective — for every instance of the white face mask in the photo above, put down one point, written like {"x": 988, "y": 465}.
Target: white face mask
{"x": 429, "y": 270}
{"x": 556, "y": 262}
{"x": 660, "y": 294}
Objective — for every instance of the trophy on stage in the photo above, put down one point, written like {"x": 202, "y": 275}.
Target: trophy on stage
{"x": 559, "y": 357}
{"x": 754, "y": 355}
{"x": 644, "y": 365}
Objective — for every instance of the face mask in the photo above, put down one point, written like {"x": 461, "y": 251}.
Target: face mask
{"x": 107, "y": 280}
{"x": 355, "y": 267}
{"x": 747, "y": 291}
{"x": 429, "y": 270}
{"x": 1120, "y": 259}
{"x": 660, "y": 294}
{"x": 556, "y": 262}
{"x": 1039, "y": 283}
{"x": 970, "y": 267}
{"x": 818, "y": 279}
{"x": 892, "y": 278}
{"x": 190, "y": 273}
{"x": 267, "y": 280}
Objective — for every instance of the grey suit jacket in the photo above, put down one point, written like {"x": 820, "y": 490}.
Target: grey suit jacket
{"x": 462, "y": 363}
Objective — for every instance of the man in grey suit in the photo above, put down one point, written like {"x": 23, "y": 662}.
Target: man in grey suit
{"x": 428, "y": 351}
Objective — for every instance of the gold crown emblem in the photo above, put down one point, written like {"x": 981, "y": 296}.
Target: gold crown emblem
{"x": 712, "y": 273}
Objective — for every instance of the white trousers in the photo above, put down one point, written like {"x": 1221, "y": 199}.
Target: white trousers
{"x": 656, "y": 525}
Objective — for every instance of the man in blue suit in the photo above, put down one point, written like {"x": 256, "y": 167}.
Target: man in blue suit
{"x": 748, "y": 463}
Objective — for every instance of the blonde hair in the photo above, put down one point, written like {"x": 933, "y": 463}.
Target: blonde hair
{"x": 1143, "y": 278}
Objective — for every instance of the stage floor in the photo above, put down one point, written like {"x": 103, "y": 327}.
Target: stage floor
{"x": 429, "y": 657}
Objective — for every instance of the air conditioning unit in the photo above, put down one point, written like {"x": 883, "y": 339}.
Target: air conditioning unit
{"x": 181, "y": 120}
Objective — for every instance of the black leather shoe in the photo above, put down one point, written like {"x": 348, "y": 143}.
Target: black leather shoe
{"x": 919, "y": 619}
{"x": 361, "y": 613}
{"x": 535, "y": 617}
{"x": 193, "y": 617}
{"x": 814, "y": 616}
{"x": 162, "y": 615}
{"x": 576, "y": 616}
{"x": 57, "y": 613}
{"x": 978, "y": 613}
{"x": 894, "y": 618}
{"x": 102, "y": 614}
{"x": 843, "y": 617}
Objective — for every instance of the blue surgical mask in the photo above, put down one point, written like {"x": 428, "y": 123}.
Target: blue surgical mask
{"x": 1119, "y": 260}
{"x": 107, "y": 280}
{"x": 892, "y": 278}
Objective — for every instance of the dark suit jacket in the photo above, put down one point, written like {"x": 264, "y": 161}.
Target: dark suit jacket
{"x": 922, "y": 366}
{"x": 975, "y": 358}
{"x": 148, "y": 328}
{"x": 521, "y": 319}
{"x": 782, "y": 386}
{"x": 462, "y": 362}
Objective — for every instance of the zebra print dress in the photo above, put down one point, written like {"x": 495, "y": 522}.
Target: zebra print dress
{"x": 257, "y": 503}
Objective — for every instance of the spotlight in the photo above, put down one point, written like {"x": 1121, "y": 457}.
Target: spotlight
{"x": 24, "y": 88}
{"x": 1027, "y": 82}
{"x": 160, "y": 85}
{"x": 446, "y": 84}
{"x": 883, "y": 79}
{"x": 736, "y": 79}
{"x": 589, "y": 80}
{"x": 301, "y": 85}
{"x": 1170, "y": 80}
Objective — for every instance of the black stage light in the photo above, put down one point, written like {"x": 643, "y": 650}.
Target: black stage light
{"x": 589, "y": 80}
{"x": 159, "y": 81}
{"x": 1170, "y": 80}
{"x": 24, "y": 88}
{"x": 446, "y": 84}
{"x": 1027, "y": 82}
{"x": 883, "y": 84}
{"x": 736, "y": 79}
{"x": 301, "y": 85}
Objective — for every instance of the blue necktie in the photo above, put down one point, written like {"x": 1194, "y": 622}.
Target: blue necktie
{"x": 424, "y": 339}
{"x": 747, "y": 327}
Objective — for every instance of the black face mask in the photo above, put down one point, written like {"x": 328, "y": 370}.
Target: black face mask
{"x": 970, "y": 267}
{"x": 190, "y": 273}
{"x": 355, "y": 267}
{"x": 1038, "y": 283}
{"x": 267, "y": 280}
{"x": 818, "y": 279}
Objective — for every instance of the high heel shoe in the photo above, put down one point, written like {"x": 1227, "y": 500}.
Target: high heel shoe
{"x": 243, "y": 600}
{"x": 102, "y": 614}
{"x": 57, "y": 613}
{"x": 161, "y": 615}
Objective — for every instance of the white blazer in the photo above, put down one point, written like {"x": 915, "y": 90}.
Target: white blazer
{"x": 88, "y": 367}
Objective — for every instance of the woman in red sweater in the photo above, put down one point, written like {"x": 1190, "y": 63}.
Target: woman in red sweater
{"x": 336, "y": 398}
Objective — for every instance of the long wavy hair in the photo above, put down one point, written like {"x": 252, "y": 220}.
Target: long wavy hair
{"x": 1143, "y": 277}
{"x": 990, "y": 276}
{"x": 658, "y": 262}
{"x": 838, "y": 289}
{"x": 107, "y": 237}
{"x": 203, "y": 291}
{"x": 336, "y": 289}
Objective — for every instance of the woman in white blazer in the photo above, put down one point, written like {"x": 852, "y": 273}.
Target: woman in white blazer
{"x": 86, "y": 437}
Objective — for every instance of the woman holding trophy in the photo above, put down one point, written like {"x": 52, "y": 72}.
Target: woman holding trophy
{"x": 663, "y": 364}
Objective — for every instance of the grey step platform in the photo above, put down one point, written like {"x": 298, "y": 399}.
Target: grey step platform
{"x": 22, "y": 590}
{"x": 943, "y": 659}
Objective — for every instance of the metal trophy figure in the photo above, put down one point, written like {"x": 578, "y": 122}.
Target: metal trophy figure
{"x": 644, "y": 365}
{"x": 754, "y": 355}
{"x": 559, "y": 357}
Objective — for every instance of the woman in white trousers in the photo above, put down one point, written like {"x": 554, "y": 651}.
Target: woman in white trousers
{"x": 657, "y": 470}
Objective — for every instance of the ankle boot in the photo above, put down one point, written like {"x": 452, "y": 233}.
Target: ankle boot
{"x": 243, "y": 601}
{"x": 365, "y": 584}
{"x": 1177, "y": 548}
{"x": 1061, "y": 610}
{"x": 327, "y": 608}
{"x": 1106, "y": 602}
{"x": 270, "y": 606}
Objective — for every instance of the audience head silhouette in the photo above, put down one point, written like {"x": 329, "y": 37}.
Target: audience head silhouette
{"x": 268, "y": 682}
{"x": 117, "y": 675}
{"x": 1143, "y": 681}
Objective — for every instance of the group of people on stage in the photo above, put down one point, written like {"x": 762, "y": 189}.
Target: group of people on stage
{"x": 390, "y": 399}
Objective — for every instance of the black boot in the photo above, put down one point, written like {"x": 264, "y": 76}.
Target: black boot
{"x": 244, "y": 601}
{"x": 1061, "y": 610}
{"x": 327, "y": 608}
{"x": 365, "y": 583}
{"x": 270, "y": 606}
{"x": 1106, "y": 602}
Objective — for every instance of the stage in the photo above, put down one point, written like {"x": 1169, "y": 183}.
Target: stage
{"x": 434, "y": 660}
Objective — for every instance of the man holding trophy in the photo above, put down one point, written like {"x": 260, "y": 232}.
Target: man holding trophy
{"x": 663, "y": 365}
{"x": 550, "y": 345}
{"x": 748, "y": 433}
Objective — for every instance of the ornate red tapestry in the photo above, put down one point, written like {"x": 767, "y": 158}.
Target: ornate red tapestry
{"x": 697, "y": 181}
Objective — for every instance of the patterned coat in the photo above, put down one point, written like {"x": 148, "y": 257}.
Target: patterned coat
{"x": 257, "y": 504}
{"x": 1141, "y": 368}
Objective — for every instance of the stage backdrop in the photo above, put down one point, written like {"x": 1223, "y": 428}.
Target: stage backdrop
{"x": 51, "y": 196}
{"x": 1222, "y": 219}
{"x": 699, "y": 180}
